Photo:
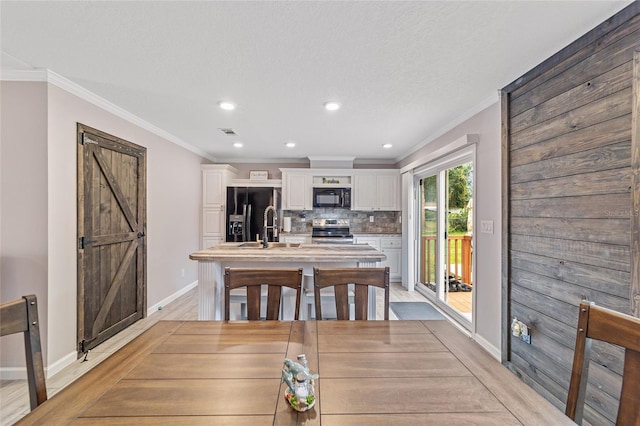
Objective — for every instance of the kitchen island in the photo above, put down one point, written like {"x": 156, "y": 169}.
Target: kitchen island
{"x": 212, "y": 261}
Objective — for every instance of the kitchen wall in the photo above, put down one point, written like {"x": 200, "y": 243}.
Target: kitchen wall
{"x": 38, "y": 216}
{"x": 275, "y": 173}
{"x": 383, "y": 222}
{"x": 272, "y": 168}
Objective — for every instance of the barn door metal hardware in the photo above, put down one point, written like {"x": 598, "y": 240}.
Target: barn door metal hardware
{"x": 83, "y": 348}
{"x": 84, "y": 241}
{"x": 86, "y": 140}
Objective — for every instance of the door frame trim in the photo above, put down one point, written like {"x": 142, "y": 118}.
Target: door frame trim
{"x": 435, "y": 167}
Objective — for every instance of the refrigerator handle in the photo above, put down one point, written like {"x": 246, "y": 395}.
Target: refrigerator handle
{"x": 244, "y": 223}
{"x": 247, "y": 221}
{"x": 276, "y": 203}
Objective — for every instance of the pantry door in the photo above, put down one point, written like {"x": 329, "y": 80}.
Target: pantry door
{"x": 111, "y": 235}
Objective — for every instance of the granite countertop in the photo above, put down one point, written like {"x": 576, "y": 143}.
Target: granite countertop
{"x": 302, "y": 253}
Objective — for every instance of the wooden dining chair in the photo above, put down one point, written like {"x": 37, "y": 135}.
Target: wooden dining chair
{"x": 253, "y": 279}
{"x": 595, "y": 322}
{"x": 340, "y": 279}
{"x": 21, "y": 316}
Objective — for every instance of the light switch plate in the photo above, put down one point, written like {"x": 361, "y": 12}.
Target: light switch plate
{"x": 486, "y": 226}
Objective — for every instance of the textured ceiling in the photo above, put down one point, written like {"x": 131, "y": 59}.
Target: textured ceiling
{"x": 402, "y": 70}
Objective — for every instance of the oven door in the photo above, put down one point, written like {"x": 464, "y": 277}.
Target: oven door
{"x": 332, "y": 240}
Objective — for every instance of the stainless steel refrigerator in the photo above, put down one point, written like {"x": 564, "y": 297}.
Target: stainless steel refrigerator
{"x": 245, "y": 212}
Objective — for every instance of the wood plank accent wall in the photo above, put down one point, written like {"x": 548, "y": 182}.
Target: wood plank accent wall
{"x": 635, "y": 187}
{"x": 571, "y": 207}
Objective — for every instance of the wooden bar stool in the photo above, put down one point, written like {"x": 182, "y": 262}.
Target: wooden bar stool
{"x": 340, "y": 279}
{"x": 253, "y": 279}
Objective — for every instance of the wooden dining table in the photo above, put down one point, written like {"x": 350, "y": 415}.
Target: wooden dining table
{"x": 229, "y": 373}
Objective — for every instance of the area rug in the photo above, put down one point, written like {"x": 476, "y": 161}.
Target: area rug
{"x": 415, "y": 311}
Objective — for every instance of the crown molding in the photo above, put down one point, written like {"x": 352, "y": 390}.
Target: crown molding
{"x": 242, "y": 160}
{"x": 374, "y": 161}
{"x": 48, "y": 76}
{"x": 23, "y": 75}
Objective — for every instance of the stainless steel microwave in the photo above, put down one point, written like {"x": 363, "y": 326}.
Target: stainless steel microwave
{"x": 332, "y": 197}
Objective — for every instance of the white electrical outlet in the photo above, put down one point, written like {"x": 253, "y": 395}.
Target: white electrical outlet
{"x": 182, "y": 272}
{"x": 486, "y": 226}
{"x": 371, "y": 219}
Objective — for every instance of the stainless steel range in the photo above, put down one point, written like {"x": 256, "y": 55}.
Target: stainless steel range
{"x": 331, "y": 231}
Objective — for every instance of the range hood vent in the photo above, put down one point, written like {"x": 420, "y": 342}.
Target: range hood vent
{"x": 331, "y": 162}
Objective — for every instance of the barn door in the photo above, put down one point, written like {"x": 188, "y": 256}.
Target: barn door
{"x": 111, "y": 236}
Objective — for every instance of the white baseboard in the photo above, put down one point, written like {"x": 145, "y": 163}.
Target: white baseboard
{"x": 20, "y": 373}
{"x": 493, "y": 351}
{"x": 13, "y": 373}
{"x": 66, "y": 360}
{"x": 154, "y": 308}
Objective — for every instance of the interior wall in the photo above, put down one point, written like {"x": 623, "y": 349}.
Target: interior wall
{"x": 487, "y": 206}
{"x": 23, "y": 205}
{"x": 275, "y": 173}
{"x": 244, "y": 169}
{"x": 173, "y": 201}
{"x": 39, "y": 231}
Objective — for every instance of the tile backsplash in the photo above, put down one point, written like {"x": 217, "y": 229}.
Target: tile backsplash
{"x": 383, "y": 221}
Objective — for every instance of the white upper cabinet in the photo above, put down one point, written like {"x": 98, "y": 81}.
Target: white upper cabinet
{"x": 372, "y": 189}
{"x": 296, "y": 191}
{"x": 215, "y": 178}
{"x": 388, "y": 192}
{"x": 378, "y": 190}
{"x": 364, "y": 192}
{"x": 211, "y": 188}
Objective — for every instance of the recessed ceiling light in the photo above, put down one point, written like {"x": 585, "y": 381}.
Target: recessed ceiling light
{"x": 331, "y": 106}
{"x": 238, "y": 144}
{"x": 226, "y": 105}
{"x": 386, "y": 145}
{"x": 290, "y": 144}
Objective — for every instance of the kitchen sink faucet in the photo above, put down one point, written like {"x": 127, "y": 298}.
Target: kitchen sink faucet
{"x": 274, "y": 226}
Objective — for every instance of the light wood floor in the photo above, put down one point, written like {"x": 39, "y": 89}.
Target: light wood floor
{"x": 14, "y": 398}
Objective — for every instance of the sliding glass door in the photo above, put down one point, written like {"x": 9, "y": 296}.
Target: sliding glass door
{"x": 444, "y": 199}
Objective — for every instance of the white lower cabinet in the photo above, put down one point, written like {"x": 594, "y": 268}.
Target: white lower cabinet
{"x": 300, "y": 239}
{"x": 372, "y": 241}
{"x": 392, "y": 248}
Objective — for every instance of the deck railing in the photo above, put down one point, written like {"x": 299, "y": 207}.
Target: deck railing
{"x": 459, "y": 247}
